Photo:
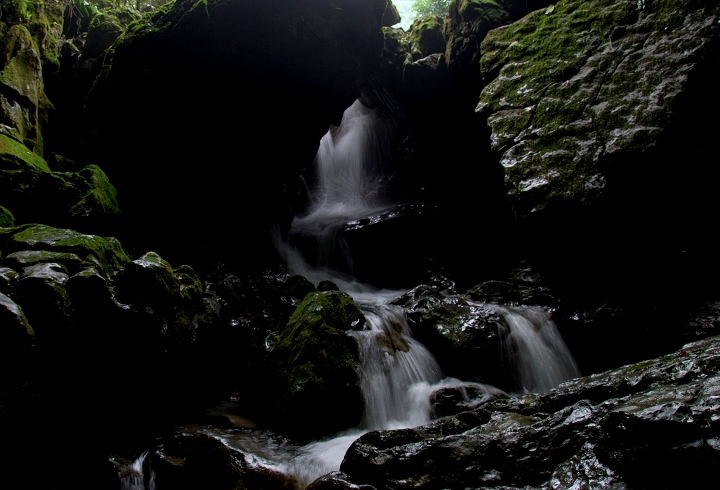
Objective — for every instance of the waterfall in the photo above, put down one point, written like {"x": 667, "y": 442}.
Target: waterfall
{"x": 134, "y": 477}
{"x": 350, "y": 184}
{"x": 534, "y": 350}
{"x": 397, "y": 373}
{"x": 394, "y": 370}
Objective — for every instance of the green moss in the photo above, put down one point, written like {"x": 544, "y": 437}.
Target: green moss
{"x": 107, "y": 251}
{"x": 333, "y": 308}
{"x": 191, "y": 288}
{"x": 22, "y": 69}
{"x": 7, "y": 220}
{"x": 567, "y": 85}
{"x": 97, "y": 194}
{"x": 15, "y": 157}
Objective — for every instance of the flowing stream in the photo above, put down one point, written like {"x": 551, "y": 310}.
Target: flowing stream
{"x": 397, "y": 373}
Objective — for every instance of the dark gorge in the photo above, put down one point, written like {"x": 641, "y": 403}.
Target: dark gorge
{"x": 273, "y": 244}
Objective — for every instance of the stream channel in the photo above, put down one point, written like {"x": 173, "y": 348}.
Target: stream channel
{"x": 396, "y": 381}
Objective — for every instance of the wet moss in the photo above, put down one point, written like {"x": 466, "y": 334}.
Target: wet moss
{"x": 107, "y": 251}
{"x": 314, "y": 366}
{"x": 7, "y": 220}
{"x": 15, "y": 157}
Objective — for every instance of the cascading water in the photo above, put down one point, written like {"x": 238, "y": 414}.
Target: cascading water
{"x": 397, "y": 373}
{"x": 535, "y": 350}
{"x": 135, "y": 477}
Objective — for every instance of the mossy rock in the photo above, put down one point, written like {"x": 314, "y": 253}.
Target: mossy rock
{"x": 426, "y": 36}
{"x": 191, "y": 288}
{"x": 24, "y": 103}
{"x": 314, "y": 366}
{"x": 104, "y": 30}
{"x": 173, "y": 297}
{"x": 27, "y": 184}
{"x": 334, "y": 308}
{"x": 25, "y": 258}
{"x": 463, "y": 336}
{"x": 148, "y": 280}
{"x": 106, "y": 252}
{"x": 7, "y": 220}
{"x": 467, "y": 24}
{"x": 16, "y": 157}
{"x": 94, "y": 195}
{"x": 577, "y": 87}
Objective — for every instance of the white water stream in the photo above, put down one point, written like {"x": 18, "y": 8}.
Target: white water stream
{"x": 397, "y": 373}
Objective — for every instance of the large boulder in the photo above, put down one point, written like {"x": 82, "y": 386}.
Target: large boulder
{"x": 591, "y": 105}
{"x": 314, "y": 388}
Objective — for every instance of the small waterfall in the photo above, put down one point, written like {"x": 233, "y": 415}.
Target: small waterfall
{"x": 535, "y": 350}
{"x": 349, "y": 185}
{"x": 394, "y": 370}
{"x": 134, "y": 477}
{"x": 397, "y": 373}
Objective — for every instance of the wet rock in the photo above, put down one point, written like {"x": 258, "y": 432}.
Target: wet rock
{"x": 426, "y": 37}
{"x": 43, "y": 294}
{"x": 336, "y": 481}
{"x": 16, "y": 332}
{"x": 590, "y": 107}
{"x": 188, "y": 462}
{"x": 107, "y": 253}
{"x": 19, "y": 260}
{"x": 451, "y": 400}
{"x": 8, "y": 279}
{"x": 464, "y": 336}
{"x": 614, "y": 427}
{"x": 313, "y": 368}
{"x": 298, "y": 287}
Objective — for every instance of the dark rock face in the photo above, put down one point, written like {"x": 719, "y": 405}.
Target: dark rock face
{"x": 591, "y": 106}
{"x": 228, "y": 101}
{"x": 613, "y": 428}
{"x": 313, "y": 368}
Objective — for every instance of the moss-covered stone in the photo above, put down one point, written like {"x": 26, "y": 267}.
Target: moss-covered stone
{"x": 106, "y": 252}
{"x": 104, "y": 29}
{"x": 426, "y": 37}
{"x": 148, "y": 280}
{"x": 190, "y": 286}
{"x": 467, "y": 23}
{"x": 94, "y": 195}
{"x": 7, "y": 220}
{"x": 19, "y": 260}
{"x": 15, "y": 158}
{"x": 24, "y": 103}
{"x": 333, "y": 308}
{"x": 580, "y": 83}
{"x": 462, "y": 335}
{"x": 314, "y": 365}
